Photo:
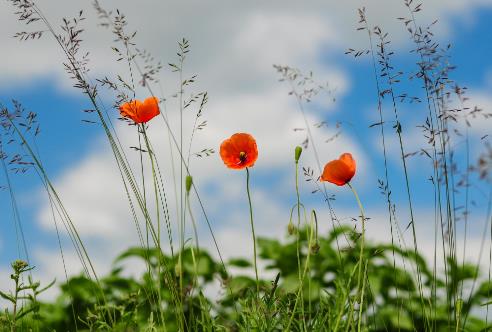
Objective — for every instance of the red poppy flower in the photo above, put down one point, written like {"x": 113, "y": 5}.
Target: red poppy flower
{"x": 140, "y": 111}
{"x": 239, "y": 151}
{"x": 339, "y": 171}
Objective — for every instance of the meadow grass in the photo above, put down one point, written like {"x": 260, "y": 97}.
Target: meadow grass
{"x": 333, "y": 281}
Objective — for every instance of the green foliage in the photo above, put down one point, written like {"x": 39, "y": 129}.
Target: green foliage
{"x": 329, "y": 294}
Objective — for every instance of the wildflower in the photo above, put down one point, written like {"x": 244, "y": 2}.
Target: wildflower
{"x": 19, "y": 265}
{"x": 140, "y": 112}
{"x": 239, "y": 151}
{"x": 339, "y": 171}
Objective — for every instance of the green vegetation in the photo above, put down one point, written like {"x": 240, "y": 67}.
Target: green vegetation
{"x": 330, "y": 303}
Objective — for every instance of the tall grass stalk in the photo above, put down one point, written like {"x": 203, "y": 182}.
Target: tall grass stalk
{"x": 392, "y": 78}
{"x": 432, "y": 83}
{"x": 69, "y": 225}
{"x": 384, "y": 186}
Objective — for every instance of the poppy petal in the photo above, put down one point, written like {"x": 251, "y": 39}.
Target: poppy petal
{"x": 229, "y": 154}
{"x": 339, "y": 171}
{"x": 129, "y": 109}
{"x": 348, "y": 160}
{"x": 148, "y": 109}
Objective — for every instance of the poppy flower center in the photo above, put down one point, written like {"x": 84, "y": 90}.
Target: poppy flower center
{"x": 242, "y": 157}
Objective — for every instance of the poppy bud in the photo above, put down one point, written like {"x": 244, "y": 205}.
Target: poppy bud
{"x": 291, "y": 229}
{"x": 189, "y": 182}
{"x": 298, "y": 153}
{"x": 315, "y": 248}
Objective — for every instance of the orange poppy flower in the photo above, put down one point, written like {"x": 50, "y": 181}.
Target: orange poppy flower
{"x": 239, "y": 151}
{"x": 339, "y": 171}
{"x": 140, "y": 111}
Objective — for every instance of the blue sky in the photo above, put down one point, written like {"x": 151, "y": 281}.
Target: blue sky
{"x": 71, "y": 149}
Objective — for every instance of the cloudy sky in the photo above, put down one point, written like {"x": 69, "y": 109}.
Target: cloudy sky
{"x": 233, "y": 48}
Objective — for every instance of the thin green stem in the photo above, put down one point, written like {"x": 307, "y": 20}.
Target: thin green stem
{"x": 298, "y": 246}
{"x": 195, "y": 232}
{"x": 345, "y": 297}
{"x": 253, "y": 232}
{"x": 156, "y": 194}
{"x": 16, "y": 298}
{"x": 306, "y": 267}
{"x": 361, "y": 257}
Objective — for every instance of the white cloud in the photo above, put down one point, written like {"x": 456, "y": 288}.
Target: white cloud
{"x": 287, "y": 30}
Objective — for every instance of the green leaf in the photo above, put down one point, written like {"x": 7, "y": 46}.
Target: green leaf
{"x": 46, "y": 287}
{"x": 7, "y": 297}
{"x": 24, "y": 311}
{"x": 238, "y": 284}
{"x": 239, "y": 262}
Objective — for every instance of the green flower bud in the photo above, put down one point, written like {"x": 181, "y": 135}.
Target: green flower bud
{"x": 19, "y": 265}
{"x": 298, "y": 153}
{"x": 291, "y": 229}
{"x": 189, "y": 182}
{"x": 315, "y": 248}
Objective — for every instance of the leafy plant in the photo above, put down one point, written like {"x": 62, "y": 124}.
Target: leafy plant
{"x": 23, "y": 298}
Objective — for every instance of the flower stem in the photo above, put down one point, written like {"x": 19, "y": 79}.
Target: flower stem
{"x": 298, "y": 246}
{"x": 360, "y": 285}
{"x": 253, "y": 232}
{"x": 306, "y": 267}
